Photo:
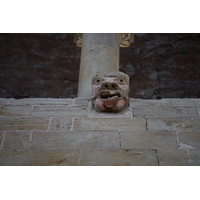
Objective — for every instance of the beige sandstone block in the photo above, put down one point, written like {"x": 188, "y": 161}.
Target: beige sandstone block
{"x": 176, "y": 124}
{"x": 179, "y": 157}
{"x": 39, "y": 158}
{"x": 75, "y": 140}
{"x": 16, "y": 140}
{"x": 59, "y": 111}
{"x": 166, "y": 111}
{"x": 110, "y": 124}
{"x": 148, "y": 140}
{"x": 40, "y": 101}
{"x": 119, "y": 158}
{"x": 24, "y": 124}
{"x": 15, "y": 111}
{"x": 190, "y": 138}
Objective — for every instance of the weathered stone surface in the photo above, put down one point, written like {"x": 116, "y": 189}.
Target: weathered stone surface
{"x": 147, "y": 139}
{"x": 24, "y": 124}
{"x": 75, "y": 140}
{"x": 15, "y": 111}
{"x": 81, "y": 102}
{"x": 3, "y": 102}
{"x": 39, "y": 158}
{"x": 165, "y": 102}
{"x": 127, "y": 113}
{"x": 59, "y": 111}
{"x": 118, "y": 158}
{"x": 110, "y": 124}
{"x": 18, "y": 140}
{"x": 179, "y": 157}
{"x": 166, "y": 112}
{"x": 1, "y": 139}
{"x": 40, "y": 101}
{"x": 63, "y": 123}
{"x": 187, "y": 124}
{"x": 190, "y": 138}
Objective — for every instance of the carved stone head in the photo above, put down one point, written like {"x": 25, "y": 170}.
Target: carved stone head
{"x": 110, "y": 91}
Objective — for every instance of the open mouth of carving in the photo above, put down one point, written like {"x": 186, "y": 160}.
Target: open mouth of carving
{"x": 110, "y": 94}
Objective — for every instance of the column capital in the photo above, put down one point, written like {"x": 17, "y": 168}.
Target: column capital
{"x": 125, "y": 39}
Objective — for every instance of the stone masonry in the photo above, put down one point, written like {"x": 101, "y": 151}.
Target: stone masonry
{"x": 48, "y": 131}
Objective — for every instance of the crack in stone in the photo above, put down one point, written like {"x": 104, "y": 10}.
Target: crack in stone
{"x": 120, "y": 143}
{"x": 157, "y": 156}
{"x": 4, "y": 135}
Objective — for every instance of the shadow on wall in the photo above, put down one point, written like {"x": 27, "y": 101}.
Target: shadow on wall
{"x": 47, "y": 65}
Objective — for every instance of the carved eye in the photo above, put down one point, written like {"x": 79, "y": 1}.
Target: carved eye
{"x": 97, "y": 81}
{"x": 121, "y": 80}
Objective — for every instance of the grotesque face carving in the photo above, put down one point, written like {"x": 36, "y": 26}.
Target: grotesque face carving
{"x": 110, "y": 91}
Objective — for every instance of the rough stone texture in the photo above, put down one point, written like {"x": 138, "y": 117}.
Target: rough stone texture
{"x": 59, "y": 111}
{"x": 24, "y": 124}
{"x": 16, "y": 140}
{"x": 166, "y": 111}
{"x": 110, "y": 124}
{"x": 70, "y": 132}
{"x": 47, "y": 65}
{"x": 75, "y": 140}
{"x": 40, "y": 101}
{"x": 176, "y": 124}
{"x": 118, "y": 158}
{"x": 174, "y": 157}
{"x": 39, "y": 158}
{"x": 190, "y": 138}
{"x": 15, "y": 111}
{"x": 148, "y": 140}
{"x": 63, "y": 123}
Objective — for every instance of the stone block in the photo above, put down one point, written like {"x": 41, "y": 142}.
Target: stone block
{"x": 190, "y": 138}
{"x": 3, "y": 102}
{"x": 176, "y": 124}
{"x": 59, "y": 111}
{"x": 40, "y": 101}
{"x": 60, "y": 124}
{"x": 110, "y": 124}
{"x": 176, "y": 102}
{"x": 24, "y": 124}
{"x": 179, "y": 157}
{"x": 39, "y": 158}
{"x": 75, "y": 140}
{"x": 95, "y": 114}
{"x": 17, "y": 140}
{"x": 165, "y": 111}
{"x": 118, "y": 158}
{"x": 15, "y": 111}
{"x": 81, "y": 102}
{"x": 147, "y": 139}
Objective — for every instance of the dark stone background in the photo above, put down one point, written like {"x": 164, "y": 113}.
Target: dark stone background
{"x": 47, "y": 65}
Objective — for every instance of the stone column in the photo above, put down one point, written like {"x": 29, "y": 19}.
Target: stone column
{"x": 100, "y": 53}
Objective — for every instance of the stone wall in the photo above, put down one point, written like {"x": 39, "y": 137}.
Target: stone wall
{"x": 39, "y": 131}
{"x": 47, "y": 66}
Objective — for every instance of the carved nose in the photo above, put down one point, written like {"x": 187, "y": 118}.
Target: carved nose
{"x": 110, "y": 86}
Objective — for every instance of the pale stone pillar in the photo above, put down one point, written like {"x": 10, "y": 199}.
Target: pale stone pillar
{"x": 100, "y": 52}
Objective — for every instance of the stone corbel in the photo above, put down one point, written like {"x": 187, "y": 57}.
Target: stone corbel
{"x": 125, "y": 39}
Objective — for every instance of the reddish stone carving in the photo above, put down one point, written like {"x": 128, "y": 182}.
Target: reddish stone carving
{"x": 110, "y": 91}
